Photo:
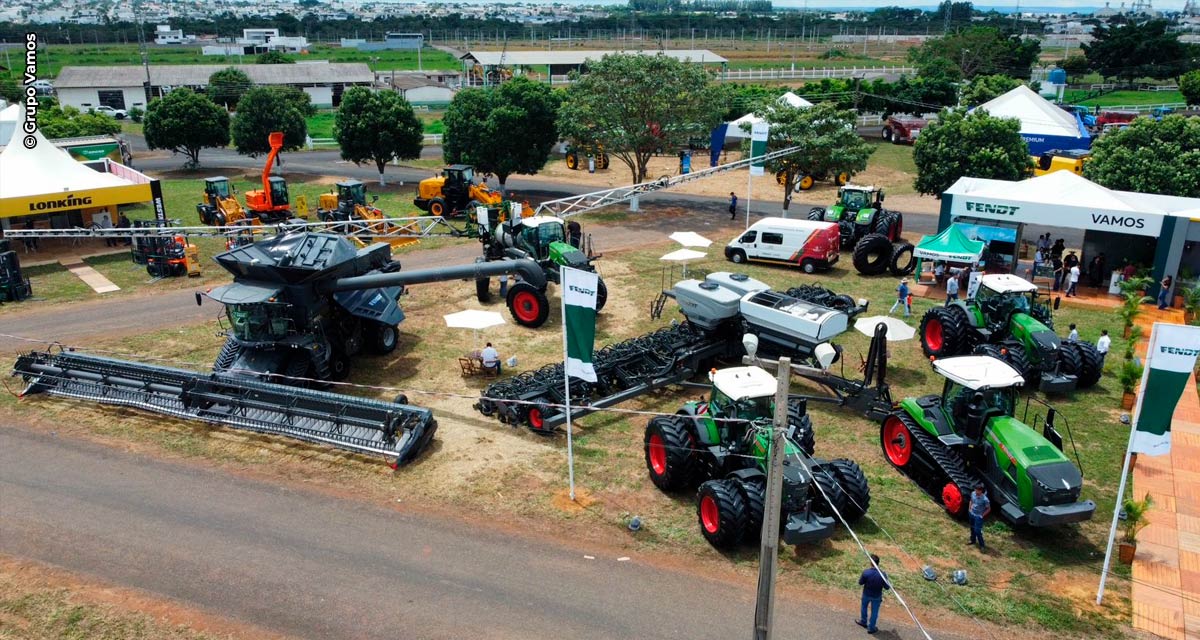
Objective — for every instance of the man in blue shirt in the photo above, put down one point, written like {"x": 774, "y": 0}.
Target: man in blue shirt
{"x": 873, "y": 582}
{"x": 980, "y": 508}
{"x": 732, "y": 205}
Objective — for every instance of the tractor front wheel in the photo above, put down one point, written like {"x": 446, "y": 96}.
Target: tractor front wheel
{"x": 754, "y": 494}
{"x": 941, "y": 332}
{"x": 528, "y": 305}
{"x": 816, "y": 213}
{"x": 722, "y": 513}
{"x": 801, "y": 425}
{"x": 670, "y": 453}
{"x": 828, "y": 497}
{"x": 854, "y": 484}
{"x": 1091, "y": 364}
{"x": 437, "y": 207}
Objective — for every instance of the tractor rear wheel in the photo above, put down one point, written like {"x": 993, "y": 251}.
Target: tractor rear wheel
{"x": 895, "y": 435}
{"x": 601, "y": 294}
{"x": 872, "y": 254}
{"x": 754, "y": 497}
{"x": 1014, "y": 355}
{"x": 903, "y": 261}
{"x": 802, "y": 435}
{"x": 670, "y": 450}
{"x": 528, "y": 305}
{"x": 228, "y": 355}
{"x": 483, "y": 288}
{"x": 854, "y": 484}
{"x": 827, "y": 494}
{"x": 941, "y": 333}
{"x": 1092, "y": 365}
{"x": 437, "y": 207}
{"x": 722, "y": 513}
{"x": 816, "y": 213}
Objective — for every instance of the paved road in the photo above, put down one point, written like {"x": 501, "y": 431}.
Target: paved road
{"x": 314, "y": 566}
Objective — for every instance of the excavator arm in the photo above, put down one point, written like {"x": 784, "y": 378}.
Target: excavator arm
{"x": 276, "y": 142}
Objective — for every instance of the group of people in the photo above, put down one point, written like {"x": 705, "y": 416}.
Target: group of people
{"x": 1067, "y": 271}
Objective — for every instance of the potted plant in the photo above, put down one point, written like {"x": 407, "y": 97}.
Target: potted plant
{"x": 1135, "y": 521}
{"x": 1190, "y": 301}
{"x": 1135, "y": 335}
{"x": 1131, "y": 307}
{"x": 1129, "y": 376}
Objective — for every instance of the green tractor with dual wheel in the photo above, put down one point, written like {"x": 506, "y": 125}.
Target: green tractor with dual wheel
{"x": 969, "y": 437}
{"x": 723, "y": 445}
{"x": 872, "y": 232}
{"x": 1007, "y": 320}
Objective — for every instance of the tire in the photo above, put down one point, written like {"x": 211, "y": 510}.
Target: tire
{"x": 887, "y": 134}
{"x": 384, "y": 338}
{"x": 890, "y": 224}
{"x": 903, "y": 261}
{"x": 219, "y": 219}
{"x": 339, "y": 366}
{"x": 803, "y": 435}
{"x": 953, "y": 501}
{"x": 898, "y": 226}
{"x": 854, "y": 484}
{"x": 603, "y": 161}
{"x": 400, "y": 399}
{"x": 805, "y": 183}
{"x": 228, "y": 355}
{"x": 572, "y": 161}
{"x": 754, "y": 494}
{"x": 829, "y": 499}
{"x": 781, "y": 178}
{"x": 601, "y": 294}
{"x": 895, "y": 437}
{"x": 942, "y": 333}
{"x": 1093, "y": 365}
{"x": 437, "y": 207}
{"x": 841, "y": 179}
{"x": 1069, "y": 359}
{"x": 991, "y": 350}
{"x": 738, "y": 257}
{"x": 808, "y": 266}
{"x": 1015, "y": 356}
{"x": 816, "y": 213}
{"x": 297, "y": 368}
{"x": 721, "y": 513}
{"x": 471, "y": 207}
{"x": 872, "y": 254}
{"x": 483, "y": 289}
{"x": 669, "y": 450}
{"x": 205, "y": 212}
{"x": 528, "y": 306}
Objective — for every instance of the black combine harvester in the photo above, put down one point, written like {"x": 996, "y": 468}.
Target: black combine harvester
{"x": 718, "y": 311}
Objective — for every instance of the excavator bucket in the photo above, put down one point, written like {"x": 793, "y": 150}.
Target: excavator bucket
{"x": 275, "y": 139}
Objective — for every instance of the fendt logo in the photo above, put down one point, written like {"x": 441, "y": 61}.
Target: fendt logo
{"x": 1002, "y": 209}
{"x": 1118, "y": 221}
{"x": 69, "y": 202}
{"x": 1176, "y": 351}
{"x": 581, "y": 290}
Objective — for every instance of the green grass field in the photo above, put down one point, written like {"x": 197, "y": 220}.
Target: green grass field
{"x": 1124, "y": 98}
{"x": 321, "y": 125}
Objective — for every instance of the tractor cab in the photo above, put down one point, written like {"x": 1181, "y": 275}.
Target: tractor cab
{"x": 544, "y": 238}
{"x": 856, "y": 204}
{"x": 1001, "y": 295}
{"x": 741, "y": 396}
{"x": 216, "y": 188}
{"x": 977, "y": 389}
{"x": 459, "y": 180}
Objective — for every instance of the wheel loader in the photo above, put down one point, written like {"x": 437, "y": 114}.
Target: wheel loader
{"x": 1006, "y": 320}
{"x": 969, "y": 436}
{"x": 723, "y": 445}
{"x": 348, "y": 203}
{"x": 455, "y": 192}
{"x": 220, "y": 206}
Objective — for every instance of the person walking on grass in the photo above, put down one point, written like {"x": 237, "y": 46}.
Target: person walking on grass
{"x": 1102, "y": 346}
{"x": 1074, "y": 335}
{"x": 732, "y": 205}
{"x": 951, "y": 289}
{"x": 902, "y": 299}
{"x": 873, "y": 582}
{"x": 979, "y": 509}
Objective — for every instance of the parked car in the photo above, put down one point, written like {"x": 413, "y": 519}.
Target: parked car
{"x": 808, "y": 244}
{"x": 901, "y": 129}
{"x": 119, "y": 114}
{"x": 43, "y": 87}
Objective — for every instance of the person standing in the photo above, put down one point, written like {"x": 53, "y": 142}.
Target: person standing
{"x": 1074, "y": 335}
{"x": 1058, "y": 248}
{"x": 1071, "y": 260}
{"x": 978, "y": 510}
{"x": 1164, "y": 293}
{"x": 732, "y": 205}
{"x": 951, "y": 289}
{"x": 490, "y": 358}
{"x": 902, "y": 299}
{"x": 939, "y": 272}
{"x": 1073, "y": 281}
{"x": 1103, "y": 345}
{"x": 1037, "y": 263}
{"x": 124, "y": 223}
{"x": 1059, "y": 270}
{"x": 873, "y": 582}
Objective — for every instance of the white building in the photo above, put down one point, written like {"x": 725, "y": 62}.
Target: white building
{"x": 418, "y": 88}
{"x": 164, "y": 34}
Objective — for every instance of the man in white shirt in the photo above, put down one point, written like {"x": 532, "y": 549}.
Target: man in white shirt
{"x": 1073, "y": 279}
{"x": 1102, "y": 346}
{"x": 1074, "y": 335}
{"x": 490, "y": 358}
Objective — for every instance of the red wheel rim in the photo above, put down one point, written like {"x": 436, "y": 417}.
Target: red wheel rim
{"x": 710, "y": 515}
{"x": 658, "y": 455}
{"x": 526, "y": 306}
{"x": 535, "y": 418}
{"x": 897, "y": 441}
{"x": 952, "y": 498}
{"x": 933, "y": 334}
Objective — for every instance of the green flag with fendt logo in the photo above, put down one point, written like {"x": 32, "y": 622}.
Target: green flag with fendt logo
{"x": 1170, "y": 360}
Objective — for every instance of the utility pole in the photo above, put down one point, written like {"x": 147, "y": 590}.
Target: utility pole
{"x": 764, "y": 610}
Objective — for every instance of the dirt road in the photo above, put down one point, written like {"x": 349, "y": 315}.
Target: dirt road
{"x": 315, "y": 566}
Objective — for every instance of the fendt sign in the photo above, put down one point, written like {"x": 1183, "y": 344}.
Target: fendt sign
{"x": 1070, "y": 217}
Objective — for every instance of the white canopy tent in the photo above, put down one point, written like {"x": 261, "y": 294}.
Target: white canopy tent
{"x": 8, "y": 122}
{"x": 794, "y": 100}
{"x": 1043, "y": 125}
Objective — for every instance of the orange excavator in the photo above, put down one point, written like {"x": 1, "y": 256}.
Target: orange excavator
{"x": 271, "y": 203}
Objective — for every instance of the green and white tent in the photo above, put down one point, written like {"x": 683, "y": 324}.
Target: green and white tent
{"x": 951, "y": 245}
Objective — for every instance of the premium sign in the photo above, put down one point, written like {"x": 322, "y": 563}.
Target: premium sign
{"x": 1071, "y": 217}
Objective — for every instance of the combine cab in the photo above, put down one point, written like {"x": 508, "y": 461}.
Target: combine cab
{"x": 723, "y": 444}
{"x": 969, "y": 436}
{"x": 271, "y": 204}
{"x": 220, "y": 206}
{"x": 1057, "y": 160}
{"x": 455, "y": 192}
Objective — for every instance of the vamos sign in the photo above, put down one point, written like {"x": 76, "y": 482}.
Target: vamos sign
{"x": 1069, "y": 217}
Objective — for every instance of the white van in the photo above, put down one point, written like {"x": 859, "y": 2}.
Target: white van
{"x": 808, "y": 244}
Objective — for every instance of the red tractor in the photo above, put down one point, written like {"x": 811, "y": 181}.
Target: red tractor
{"x": 1115, "y": 117}
{"x": 271, "y": 203}
{"x": 901, "y": 129}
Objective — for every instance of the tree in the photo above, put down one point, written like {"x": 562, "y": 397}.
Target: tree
{"x": 1189, "y": 86}
{"x": 980, "y": 51}
{"x": 227, "y": 86}
{"x": 261, "y": 111}
{"x": 9, "y": 89}
{"x": 186, "y": 122}
{"x": 273, "y": 57}
{"x": 984, "y": 88}
{"x": 68, "y": 122}
{"x": 1149, "y": 156}
{"x": 1131, "y": 51}
{"x": 503, "y": 130}
{"x": 297, "y": 98}
{"x": 636, "y": 104}
{"x": 976, "y": 144}
{"x": 827, "y": 139}
{"x": 1076, "y": 65}
{"x": 376, "y": 126}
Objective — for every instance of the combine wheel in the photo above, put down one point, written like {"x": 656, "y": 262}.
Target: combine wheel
{"x": 670, "y": 453}
{"x": 829, "y": 496}
{"x": 854, "y": 484}
{"x": 722, "y": 513}
{"x": 895, "y": 435}
{"x": 400, "y": 399}
{"x": 941, "y": 333}
{"x": 903, "y": 261}
{"x": 228, "y": 355}
{"x": 483, "y": 289}
{"x": 339, "y": 366}
{"x": 437, "y": 207}
{"x": 872, "y": 254}
{"x": 383, "y": 338}
{"x": 1092, "y": 365}
{"x": 601, "y": 294}
{"x": 803, "y": 435}
{"x": 528, "y": 306}
{"x": 754, "y": 497}
{"x": 816, "y": 213}
{"x": 805, "y": 183}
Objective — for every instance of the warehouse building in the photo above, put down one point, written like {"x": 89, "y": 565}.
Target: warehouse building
{"x": 125, "y": 87}
{"x": 490, "y": 67}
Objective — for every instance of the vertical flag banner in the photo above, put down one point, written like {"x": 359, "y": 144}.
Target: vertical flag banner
{"x": 758, "y": 147}
{"x": 579, "y": 321}
{"x": 1170, "y": 359}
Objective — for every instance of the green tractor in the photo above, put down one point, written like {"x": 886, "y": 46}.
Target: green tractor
{"x": 546, "y": 239}
{"x": 969, "y": 437}
{"x": 1006, "y": 320}
{"x": 723, "y": 445}
{"x": 869, "y": 230}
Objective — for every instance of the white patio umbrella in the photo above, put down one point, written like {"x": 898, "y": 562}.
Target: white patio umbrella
{"x": 683, "y": 255}
{"x": 473, "y": 319}
{"x": 691, "y": 239}
{"x": 897, "y": 330}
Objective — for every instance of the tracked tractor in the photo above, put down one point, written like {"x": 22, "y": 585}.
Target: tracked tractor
{"x": 1006, "y": 320}
{"x": 969, "y": 436}
{"x": 271, "y": 204}
{"x": 723, "y": 445}
{"x": 544, "y": 239}
{"x": 220, "y": 206}
{"x": 455, "y": 192}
